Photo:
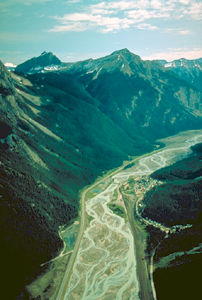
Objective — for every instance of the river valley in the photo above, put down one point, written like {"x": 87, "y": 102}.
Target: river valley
{"x": 104, "y": 262}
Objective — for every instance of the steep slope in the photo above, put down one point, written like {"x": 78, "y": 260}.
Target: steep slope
{"x": 52, "y": 143}
{"x": 45, "y": 60}
{"x": 32, "y": 204}
{"x": 178, "y": 201}
{"x": 6, "y": 83}
{"x": 139, "y": 95}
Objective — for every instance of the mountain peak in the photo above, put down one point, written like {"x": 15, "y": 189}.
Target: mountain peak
{"x": 126, "y": 54}
{"x": 44, "y": 53}
{"x": 37, "y": 64}
{"x": 123, "y": 51}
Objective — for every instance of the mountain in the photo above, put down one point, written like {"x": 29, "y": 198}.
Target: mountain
{"x": 178, "y": 200}
{"x": 6, "y": 82}
{"x": 46, "y": 61}
{"x": 129, "y": 89}
{"x": 189, "y": 70}
{"x": 31, "y": 206}
{"x": 63, "y": 128}
{"x": 182, "y": 62}
{"x": 53, "y": 142}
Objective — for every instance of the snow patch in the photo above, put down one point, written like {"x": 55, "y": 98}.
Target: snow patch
{"x": 40, "y": 69}
{"x": 51, "y": 68}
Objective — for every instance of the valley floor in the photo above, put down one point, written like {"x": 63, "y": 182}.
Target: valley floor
{"x": 109, "y": 260}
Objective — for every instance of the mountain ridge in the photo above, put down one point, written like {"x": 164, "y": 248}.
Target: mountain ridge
{"x": 187, "y": 69}
{"x": 36, "y": 64}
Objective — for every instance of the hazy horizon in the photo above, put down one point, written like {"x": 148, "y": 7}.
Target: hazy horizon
{"x": 77, "y": 29}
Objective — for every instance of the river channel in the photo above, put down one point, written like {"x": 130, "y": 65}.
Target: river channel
{"x": 105, "y": 266}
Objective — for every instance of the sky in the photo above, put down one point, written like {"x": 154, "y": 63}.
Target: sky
{"x": 80, "y": 29}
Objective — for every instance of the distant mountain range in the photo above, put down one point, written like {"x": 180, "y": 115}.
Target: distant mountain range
{"x": 189, "y": 70}
{"x": 62, "y": 125}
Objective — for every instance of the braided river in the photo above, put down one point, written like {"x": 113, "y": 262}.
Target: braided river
{"x": 105, "y": 266}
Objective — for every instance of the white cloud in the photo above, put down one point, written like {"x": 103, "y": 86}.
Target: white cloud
{"x": 146, "y": 26}
{"x": 194, "y": 11}
{"x": 76, "y": 17}
{"x": 185, "y": 2}
{"x": 76, "y": 27}
{"x": 84, "y": 21}
{"x": 111, "y": 16}
{"x": 178, "y": 31}
{"x": 184, "y": 32}
{"x": 176, "y": 53}
{"x": 142, "y": 15}
{"x": 157, "y": 4}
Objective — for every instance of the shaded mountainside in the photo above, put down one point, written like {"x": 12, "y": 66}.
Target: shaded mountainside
{"x": 33, "y": 198}
{"x": 53, "y": 142}
{"x": 139, "y": 95}
{"x": 183, "y": 278}
{"x": 178, "y": 201}
{"x": 61, "y": 129}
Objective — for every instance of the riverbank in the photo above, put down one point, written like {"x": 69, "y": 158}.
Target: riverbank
{"x": 133, "y": 202}
{"x": 143, "y": 262}
{"x": 106, "y": 254}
